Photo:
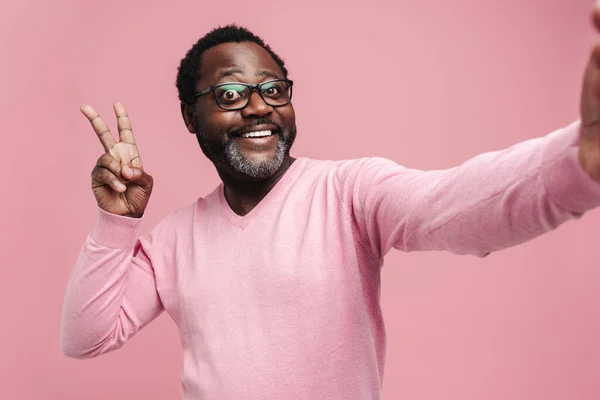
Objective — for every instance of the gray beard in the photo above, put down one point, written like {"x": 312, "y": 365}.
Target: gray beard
{"x": 228, "y": 156}
{"x": 255, "y": 169}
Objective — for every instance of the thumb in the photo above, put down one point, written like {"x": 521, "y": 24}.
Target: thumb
{"x": 137, "y": 175}
{"x": 590, "y": 104}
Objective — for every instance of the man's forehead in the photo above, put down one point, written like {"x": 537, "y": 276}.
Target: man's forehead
{"x": 239, "y": 57}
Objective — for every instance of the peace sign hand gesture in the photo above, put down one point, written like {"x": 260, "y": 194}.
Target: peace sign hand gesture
{"x": 119, "y": 182}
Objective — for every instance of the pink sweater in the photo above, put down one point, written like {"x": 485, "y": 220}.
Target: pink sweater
{"x": 283, "y": 303}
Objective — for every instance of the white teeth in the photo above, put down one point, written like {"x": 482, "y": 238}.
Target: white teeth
{"x": 257, "y": 134}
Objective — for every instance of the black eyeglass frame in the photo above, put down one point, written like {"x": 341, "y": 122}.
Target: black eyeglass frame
{"x": 251, "y": 87}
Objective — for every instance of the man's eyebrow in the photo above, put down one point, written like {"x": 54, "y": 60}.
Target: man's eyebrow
{"x": 267, "y": 74}
{"x": 227, "y": 73}
{"x": 235, "y": 71}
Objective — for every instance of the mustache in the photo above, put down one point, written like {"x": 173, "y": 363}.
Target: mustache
{"x": 257, "y": 122}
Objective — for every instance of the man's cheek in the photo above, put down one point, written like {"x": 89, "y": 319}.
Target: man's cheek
{"x": 288, "y": 119}
{"x": 217, "y": 125}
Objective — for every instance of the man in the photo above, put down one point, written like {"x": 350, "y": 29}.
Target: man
{"x": 273, "y": 278}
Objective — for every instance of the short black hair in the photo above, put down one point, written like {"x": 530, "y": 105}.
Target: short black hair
{"x": 189, "y": 68}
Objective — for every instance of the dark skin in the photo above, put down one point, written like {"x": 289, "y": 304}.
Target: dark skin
{"x": 121, "y": 186}
{"x": 249, "y": 63}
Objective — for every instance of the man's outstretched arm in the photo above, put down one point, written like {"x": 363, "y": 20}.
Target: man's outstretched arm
{"x": 494, "y": 200}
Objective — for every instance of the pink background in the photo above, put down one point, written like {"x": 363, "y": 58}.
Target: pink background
{"x": 426, "y": 83}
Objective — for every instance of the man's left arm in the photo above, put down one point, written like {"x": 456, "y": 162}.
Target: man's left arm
{"x": 491, "y": 202}
{"x": 494, "y": 200}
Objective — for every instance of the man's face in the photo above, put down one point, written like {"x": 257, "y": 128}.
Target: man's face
{"x": 220, "y": 132}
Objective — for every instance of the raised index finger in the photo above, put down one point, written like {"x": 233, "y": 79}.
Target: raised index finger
{"x": 99, "y": 126}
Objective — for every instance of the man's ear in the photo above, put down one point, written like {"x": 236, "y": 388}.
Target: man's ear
{"x": 188, "y": 117}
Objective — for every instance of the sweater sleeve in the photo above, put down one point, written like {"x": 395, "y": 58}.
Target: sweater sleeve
{"x": 111, "y": 293}
{"x": 492, "y": 201}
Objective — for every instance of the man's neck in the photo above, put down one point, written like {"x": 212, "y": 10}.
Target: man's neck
{"x": 243, "y": 195}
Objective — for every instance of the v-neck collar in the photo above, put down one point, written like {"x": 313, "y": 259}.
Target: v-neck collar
{"x": 241, "y": 221}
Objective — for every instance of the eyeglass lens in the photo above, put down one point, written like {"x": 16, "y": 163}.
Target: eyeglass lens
{"x": 234, "y": 95}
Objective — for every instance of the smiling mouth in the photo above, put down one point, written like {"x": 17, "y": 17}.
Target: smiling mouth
{"x": 257, "y": 134}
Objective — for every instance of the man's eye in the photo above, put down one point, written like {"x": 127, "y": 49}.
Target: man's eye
{"x": 271, "y": 91}
{"x": 231, "y": 95}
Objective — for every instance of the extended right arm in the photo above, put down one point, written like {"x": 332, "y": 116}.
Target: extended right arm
{"x": 112, "y": 292}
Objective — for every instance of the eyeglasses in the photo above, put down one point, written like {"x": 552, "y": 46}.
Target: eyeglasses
{"x": 232, "y": 96}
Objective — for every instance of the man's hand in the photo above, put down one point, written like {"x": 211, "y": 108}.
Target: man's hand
{"x": 120, "y": 184}
{"x": 589, "y": 150}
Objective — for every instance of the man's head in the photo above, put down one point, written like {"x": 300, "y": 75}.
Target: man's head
{"x": 222, "y": 116}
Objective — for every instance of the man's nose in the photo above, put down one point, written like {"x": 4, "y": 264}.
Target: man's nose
{"x": 256, "y": 106}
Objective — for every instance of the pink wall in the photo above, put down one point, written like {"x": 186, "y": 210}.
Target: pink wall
{"x": 467, "y": 75}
